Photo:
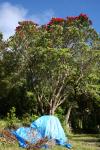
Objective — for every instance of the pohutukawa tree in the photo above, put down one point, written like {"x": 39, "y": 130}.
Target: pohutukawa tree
{"x": 55, "y": 60}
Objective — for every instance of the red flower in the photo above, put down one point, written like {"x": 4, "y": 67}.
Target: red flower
{"x": 81, "y": 17}
{"x": 56, "y": 21}
{"x": 84, "y": 16}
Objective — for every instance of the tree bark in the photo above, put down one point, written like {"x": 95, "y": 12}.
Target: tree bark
{"x": 52, "y": 111}
{"x": 68, "y": 115}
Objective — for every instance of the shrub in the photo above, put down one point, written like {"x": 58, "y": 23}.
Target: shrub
{"x": 12, "y": 120}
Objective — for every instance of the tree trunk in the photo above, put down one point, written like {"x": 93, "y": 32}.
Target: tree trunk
{"x": 68, "y": 115}
{"x": 52, "y": 111}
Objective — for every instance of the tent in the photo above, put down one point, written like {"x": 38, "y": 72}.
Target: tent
{"x": 47, "y": 126}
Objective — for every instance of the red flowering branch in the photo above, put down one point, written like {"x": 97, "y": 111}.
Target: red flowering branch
{"x": 82, "y": 18}
{"x": 56, "y": 21}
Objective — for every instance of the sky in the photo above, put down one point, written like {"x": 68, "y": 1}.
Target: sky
{"x": 41, "y": 11}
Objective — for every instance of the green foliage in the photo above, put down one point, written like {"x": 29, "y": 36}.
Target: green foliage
{"x": 12, "y": 120}
{"x": 27, "y": 119}
{"x": 34, "y": 117}
{"x": 60, "y": 114}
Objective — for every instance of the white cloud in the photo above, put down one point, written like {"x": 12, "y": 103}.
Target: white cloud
{"x": 10, "y": 15}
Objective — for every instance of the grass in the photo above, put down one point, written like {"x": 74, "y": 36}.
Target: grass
{"x": 79, "y": 142}
{"x": 85, "y": 142}
{"x": 3, "y": 124}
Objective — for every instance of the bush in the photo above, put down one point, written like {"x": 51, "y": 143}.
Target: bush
{"x": 12, "y": 120}
{"x": 27, "y": 119}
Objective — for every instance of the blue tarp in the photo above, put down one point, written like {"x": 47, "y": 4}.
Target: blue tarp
{"x": 46, "y": 126}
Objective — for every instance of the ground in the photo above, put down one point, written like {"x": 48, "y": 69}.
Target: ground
{"x": 79, "y": 142}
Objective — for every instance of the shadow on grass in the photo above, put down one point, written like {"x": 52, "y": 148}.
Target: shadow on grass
{"x": 86, "y": 135}
{"x": 88, "y": 139}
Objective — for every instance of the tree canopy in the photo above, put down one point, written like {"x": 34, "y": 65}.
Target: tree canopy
{"x": 47, "y": 67}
